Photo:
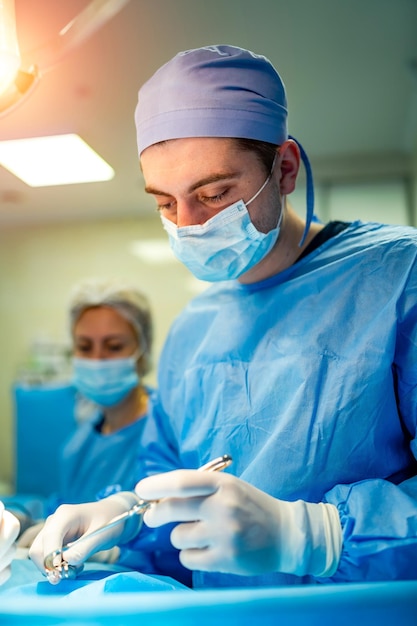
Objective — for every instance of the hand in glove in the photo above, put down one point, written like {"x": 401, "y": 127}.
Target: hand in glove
{"x": 72, "y": 521}
{"x": 234, "y": 528}
{"x": 9, "y": 530}
{"x": 104, "y": 556}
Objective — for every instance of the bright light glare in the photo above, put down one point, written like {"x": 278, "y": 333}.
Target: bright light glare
{"x": 9, "y": 48}
{"x": 54, "y": 160}
{"x": 9, "y": 64}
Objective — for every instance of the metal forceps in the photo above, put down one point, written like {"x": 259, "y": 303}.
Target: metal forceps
{"x": 55, "y": 572}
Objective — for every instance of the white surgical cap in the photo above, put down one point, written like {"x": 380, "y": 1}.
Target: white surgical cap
{"x": 126, "y": 299}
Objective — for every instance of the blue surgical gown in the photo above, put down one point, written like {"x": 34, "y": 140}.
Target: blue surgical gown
{"x": 309, "y": 380}
{"x": 93, "y": 465}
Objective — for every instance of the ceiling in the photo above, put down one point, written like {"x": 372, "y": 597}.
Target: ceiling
{"x": 350, "y": 69}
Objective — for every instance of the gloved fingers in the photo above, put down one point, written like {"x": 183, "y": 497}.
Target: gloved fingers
{"x": 71, "y": 523}
{"x": 209, "y": 547}
{"x": 7, "y": 557}
{"x": 178, "y": 484}
{"x": 220, "y": 496}
{"x": 217, "y": 548}
{"x": 5, "y": 575}
{"x": 208, "y": 560}
{"x": 9, "y": 527}
{"x": 66, "y": 524}
{"x": 49, "y": 539}
{"x": 75, "y": 555}
{"x": 9, "y": 530}
{"x": 192, "y": 535}
{"x": 85, "y": 546}
{"x": 174, "y": 510}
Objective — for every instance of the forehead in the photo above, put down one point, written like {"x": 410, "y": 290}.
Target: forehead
{"x": 191, "y": 155}
{"x": 102, "y": 320}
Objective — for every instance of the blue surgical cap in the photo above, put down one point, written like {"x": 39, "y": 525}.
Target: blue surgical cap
{"x": 216, "y": 91}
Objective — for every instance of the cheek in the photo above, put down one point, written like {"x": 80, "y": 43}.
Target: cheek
{"x": 266, "y": 214}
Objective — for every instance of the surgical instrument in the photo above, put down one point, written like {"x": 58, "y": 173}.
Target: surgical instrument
{"x": 55, "y": 572}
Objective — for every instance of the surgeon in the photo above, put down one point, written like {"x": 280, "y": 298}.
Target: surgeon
{"x": 300, "y": 360}
{"x": 9, "y": 530}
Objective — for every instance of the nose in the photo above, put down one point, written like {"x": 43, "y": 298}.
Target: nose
{"x": 191, "y": 213}
{"x": 97, "y": 352}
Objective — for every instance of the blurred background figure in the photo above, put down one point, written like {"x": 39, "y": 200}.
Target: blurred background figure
{"x": 111, "y": 330}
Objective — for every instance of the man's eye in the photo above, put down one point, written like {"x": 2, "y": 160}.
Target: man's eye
{"x": 166, "y": 206}
{"x": 219, "y": 197}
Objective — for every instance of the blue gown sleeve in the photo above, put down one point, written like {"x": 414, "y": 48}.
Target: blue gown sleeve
{"x": 379, "y": 525}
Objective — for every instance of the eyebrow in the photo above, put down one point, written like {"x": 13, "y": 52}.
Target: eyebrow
{"x": 213, "y": 178}
{"x": 109, "y": 337}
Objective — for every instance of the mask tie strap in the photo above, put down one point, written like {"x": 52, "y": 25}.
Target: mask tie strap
{"x": 265, "y": 183}
{"x": 309, "y": 191}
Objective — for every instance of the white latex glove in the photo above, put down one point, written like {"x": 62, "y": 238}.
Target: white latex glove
{"x": 9, "y": 530}
{"x": 234, "y": 528}
{"x": 26, "y": 539}
{"x": 72, "y": 521}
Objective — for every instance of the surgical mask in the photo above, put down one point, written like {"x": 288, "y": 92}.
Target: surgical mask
{"x": 105, "y": 381}
{"x": 224, "y": 247}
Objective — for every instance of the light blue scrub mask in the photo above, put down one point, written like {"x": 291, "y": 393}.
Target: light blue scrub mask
{"x": 224, "y": 247}
{"x": 105, "y": 381}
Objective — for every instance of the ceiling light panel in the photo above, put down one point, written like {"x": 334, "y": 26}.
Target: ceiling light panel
{"x": 54, "y": 160}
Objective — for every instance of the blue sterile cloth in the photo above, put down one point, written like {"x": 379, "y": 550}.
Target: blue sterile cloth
{"x": 129, "y": 599}
{"x": 95, "y": 580}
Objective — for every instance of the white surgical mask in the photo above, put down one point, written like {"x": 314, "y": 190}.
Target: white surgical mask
{"x": 224, "y": 247}
{"x": 105, "y": 381}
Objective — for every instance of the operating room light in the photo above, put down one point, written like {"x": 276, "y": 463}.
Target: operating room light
{"x": 54, "y": 160}
{"x": 21, "y": 72}
{"x": 9, "y": 47}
